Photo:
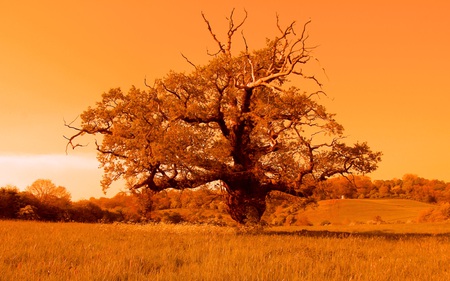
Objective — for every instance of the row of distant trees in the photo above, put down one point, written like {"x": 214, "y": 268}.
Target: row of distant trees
{"x": 43, "y": 200}
{"x": 408, "y": 187}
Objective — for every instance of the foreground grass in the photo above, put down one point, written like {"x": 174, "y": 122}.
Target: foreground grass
{"x": 50, "y": 251}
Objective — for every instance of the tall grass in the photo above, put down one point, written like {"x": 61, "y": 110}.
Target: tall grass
{"x": 51, "y": 251}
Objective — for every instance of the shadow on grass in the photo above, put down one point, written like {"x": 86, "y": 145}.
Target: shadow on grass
{"x": 363, "y": 234}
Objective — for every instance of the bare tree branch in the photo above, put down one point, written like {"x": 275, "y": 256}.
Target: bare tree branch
{"x": 72, "y": 138}
{"x": 226, "y": 48}
{"x": 191, "y": 63}
{"x": 147, "y": 85}
{"x": 221, "y": 47}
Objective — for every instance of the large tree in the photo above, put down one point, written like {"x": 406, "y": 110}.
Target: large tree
{"x": 46, "y": 191}
{"x": 238, "y": 120}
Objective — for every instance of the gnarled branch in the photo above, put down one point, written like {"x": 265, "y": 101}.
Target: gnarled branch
{"x": 225, "y": 48}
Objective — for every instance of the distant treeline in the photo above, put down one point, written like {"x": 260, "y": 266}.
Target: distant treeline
{"x": 23, "y": 205}
{"x": 56, "y": 205}
{"x": 409, "y": 187}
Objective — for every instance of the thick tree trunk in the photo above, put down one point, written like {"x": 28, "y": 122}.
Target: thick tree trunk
{"x": 246, "y": 202}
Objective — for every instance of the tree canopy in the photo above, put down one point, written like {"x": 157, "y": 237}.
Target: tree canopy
{"x": 239, "y": 121}
{"x": 45, "y": 190}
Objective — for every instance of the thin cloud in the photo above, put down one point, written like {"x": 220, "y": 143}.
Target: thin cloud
{"x": 48, "y": 160}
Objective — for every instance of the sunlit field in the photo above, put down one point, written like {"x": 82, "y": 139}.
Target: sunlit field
{"x": 72, "y": 251}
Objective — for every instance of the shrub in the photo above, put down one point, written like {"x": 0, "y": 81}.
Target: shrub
{"x": 302, "y": 220}
{"x": 437, "y": 214}
{"x": 172, "y": 218}
{"x": 378, "y": 219}
{"x": 28, "y": 213}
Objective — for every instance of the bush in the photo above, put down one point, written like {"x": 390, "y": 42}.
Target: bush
{"x": 302, "y": 220}
{"x": 28, "y": 213}
{"x": 85, "y": 211}
{"x": 172, "y": 218}
{"x": 437, "y": 214}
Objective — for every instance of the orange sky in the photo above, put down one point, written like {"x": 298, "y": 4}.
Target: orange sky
{"x": 387, "y": 65}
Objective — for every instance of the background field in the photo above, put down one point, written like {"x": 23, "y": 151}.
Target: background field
{"x": 345, "y": 211}
{"x": 339, "y": 212}
{"x": 73, "y": 251}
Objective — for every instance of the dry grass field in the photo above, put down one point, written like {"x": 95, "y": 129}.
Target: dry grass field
{"x": 72, "y": 251}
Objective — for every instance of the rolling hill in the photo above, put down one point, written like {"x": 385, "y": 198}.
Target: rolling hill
{"x": 344, "y": 211}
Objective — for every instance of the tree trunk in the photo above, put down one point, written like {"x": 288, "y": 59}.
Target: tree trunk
{"x": 246, "y": 202}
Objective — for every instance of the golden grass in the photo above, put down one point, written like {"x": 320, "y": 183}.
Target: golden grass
{"x": 71, "y": 251}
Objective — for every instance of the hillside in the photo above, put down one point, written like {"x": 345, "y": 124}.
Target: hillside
{"x": 336, "y": 212}
{"x": 344, "y": 211}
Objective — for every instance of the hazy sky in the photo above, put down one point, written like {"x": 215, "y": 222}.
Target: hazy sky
{"x": 387, "y": 73}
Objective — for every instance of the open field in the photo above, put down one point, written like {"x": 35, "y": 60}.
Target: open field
{"x": 339, "y": 212}
{"x": 71, "y": 251}
{"x": 362, "y": 211}
{"x": 345, "y": 211}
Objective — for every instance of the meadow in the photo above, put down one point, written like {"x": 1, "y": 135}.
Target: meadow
{"x": 74, "y": 251}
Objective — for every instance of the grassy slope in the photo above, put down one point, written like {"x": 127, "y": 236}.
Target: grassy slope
{"x": 344, "y": 211}
{"x": 338, "y": 212}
